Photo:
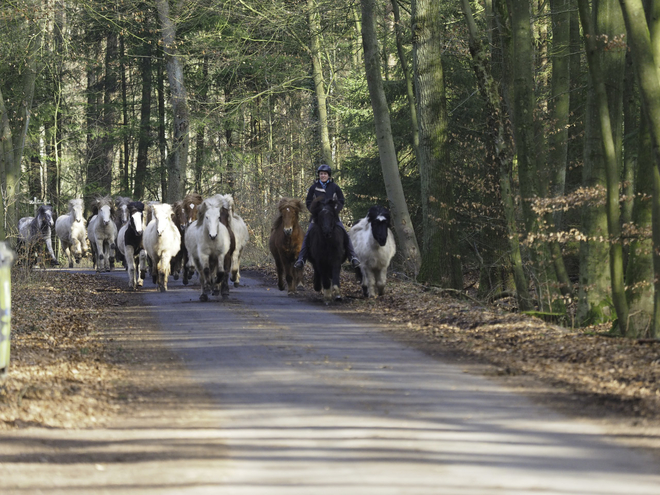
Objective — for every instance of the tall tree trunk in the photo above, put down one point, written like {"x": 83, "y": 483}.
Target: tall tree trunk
{"x": 388, "y": 159}
{"x": 162, "y": 141}
{"x": 319, "y": 87}
{"x": 109, "y": 113}
{"x": 180, "y": 142}
{"x": 611, "y": 169}
{"x": 646, "y": 56}
{"x": 410, "y": 91}
{"x": 441, "y": 262}
{"x": 499, "y": 140}
{"x": 16, "y": 131}
{"x": 126, "y": 166}
{"x": 144, "y": 140}
{"x": 524, "y": 134}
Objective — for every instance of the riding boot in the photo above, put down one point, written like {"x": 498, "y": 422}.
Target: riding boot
{"x": 302, "y": 256}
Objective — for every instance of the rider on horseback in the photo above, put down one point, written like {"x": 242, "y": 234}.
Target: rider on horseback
{"x": 327, "y": 188}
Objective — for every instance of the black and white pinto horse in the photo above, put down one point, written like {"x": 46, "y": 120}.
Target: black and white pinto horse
{"x": 34, "y": 230}
{"x": 374, "y": 245}
{"x": 327, "y": 247}
{"x": 129, "y": 243}
{"x": 102, "y": 233}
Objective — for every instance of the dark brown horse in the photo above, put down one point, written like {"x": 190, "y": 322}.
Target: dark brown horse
{"x": 185, "y": 212}
{"x": 286, "y": 238}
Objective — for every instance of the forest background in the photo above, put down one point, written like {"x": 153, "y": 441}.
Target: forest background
{"x": 515, "y": 142}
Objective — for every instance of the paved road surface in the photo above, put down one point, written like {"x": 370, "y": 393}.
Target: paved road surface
{"x": 307, "y": 402}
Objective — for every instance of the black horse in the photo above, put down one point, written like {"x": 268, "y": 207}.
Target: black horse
{"x": 327, "y": 246}
{"x": 33, "y": 230}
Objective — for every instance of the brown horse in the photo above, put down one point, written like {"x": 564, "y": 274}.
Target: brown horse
{"x": 185, "y": 213}
{"x": 286, "y": 238}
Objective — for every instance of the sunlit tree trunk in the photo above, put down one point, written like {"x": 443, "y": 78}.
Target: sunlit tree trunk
{"x": 401, "y": 218}
{"x": 500, "y": 140}
{"x": 441, "y": 262}
{"x": 144, "y": 139}
{"x": 611, "y": 169}
{"x": 178, "y": 162}
{"x": 319, "y": 86}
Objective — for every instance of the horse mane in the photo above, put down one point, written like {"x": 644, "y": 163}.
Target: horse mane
{"x": 75, "y": 202}
{"x": 293, "y": 203}
{"x": 101, "y": 201}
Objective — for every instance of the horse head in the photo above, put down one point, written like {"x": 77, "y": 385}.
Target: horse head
{"x": 208, "y": 216}
{"x": 136, "y": 212}
{"x": 76, "y": 209}
{"x": 289, "y": 211}
{"x": 325, "y": 213}
{"x": 44, "y": 217}
{"x": 379, "y": 218}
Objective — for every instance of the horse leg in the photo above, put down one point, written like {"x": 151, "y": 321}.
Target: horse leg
{"x": 336, "y": 271}
{"x": 130, "y": 262}
{"x": 280, "y": 273}
{"x": 49, "y": 245}
{"x": 100, "y": 256}
{"x": 164, "y": 271}
{"x": 381, "y": 278}
{"x": 317, "y": 280}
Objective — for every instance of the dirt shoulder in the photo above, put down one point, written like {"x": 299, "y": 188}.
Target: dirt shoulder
{"x": 81, "y": 358}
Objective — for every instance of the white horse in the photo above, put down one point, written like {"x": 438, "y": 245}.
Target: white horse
{"x": 72, "y": 231}
{"x": 102, "y": 233}
{"x": 162, "y": 241}
{"x": 208, "y": 243}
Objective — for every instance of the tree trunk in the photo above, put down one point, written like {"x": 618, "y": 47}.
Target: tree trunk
{"x": 109, "y": 113}
{"x": 410, "y": 92}
{"x": 178, "y": 163}
{"x": 162, "y": 141}
{"x": 388, "y": 159}
{"x": 611, "y": 170}
{"x": 499, "y": 141}
{"x": 319, "y": 87}
{"x": 145, "y": 124}
{"x": 524, "y": 107}
{"x": 441, "y": 262}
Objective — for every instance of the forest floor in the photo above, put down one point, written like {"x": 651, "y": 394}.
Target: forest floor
{"x": 67, "y": 372}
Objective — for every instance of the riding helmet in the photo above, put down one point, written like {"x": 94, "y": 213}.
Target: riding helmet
{"x": 324, "y": 168}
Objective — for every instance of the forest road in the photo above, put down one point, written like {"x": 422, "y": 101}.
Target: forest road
{"x": 275, "y": 395}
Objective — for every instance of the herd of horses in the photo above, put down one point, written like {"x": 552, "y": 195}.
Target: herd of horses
{"x": 207, "y": 237}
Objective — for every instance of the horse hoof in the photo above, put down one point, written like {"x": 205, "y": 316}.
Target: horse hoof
{"x": 338, "y": 298}
{"x": 176, "y": 276}
{"x": 204, "y": 297}
{"x": 236, "y": 284}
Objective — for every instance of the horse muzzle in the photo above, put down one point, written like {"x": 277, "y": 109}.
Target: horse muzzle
{"x": 288, "y": 232}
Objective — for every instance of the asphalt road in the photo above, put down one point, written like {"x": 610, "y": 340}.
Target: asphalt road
{"x": 303, "y": 401}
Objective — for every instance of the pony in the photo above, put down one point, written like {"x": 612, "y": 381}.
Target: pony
{"x": 286, "y": 237}
{"x": 208, "y": 242}
{"x": 374, "y": 245}
{"x": 102, "y": 233}
{"x": 33, "y": 230}
{"x": 226, "y": 204}
{"x": 120, "y": 218}
{"x": 162, "y": 241}
{"x": 327, "y": 246}
{"x": 242, "y": 237}
{"x": 185, "y": 212}
{"x": 72, "y": 231}
{"x": 129, "y": 243}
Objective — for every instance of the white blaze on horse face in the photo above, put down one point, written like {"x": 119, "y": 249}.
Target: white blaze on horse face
{"x": 137, "y": 220}
{"x": 124, "y": 214}
{"x": 212, "y": 221}
{"x": 380, "y": 218}
{"x": 77, "y": 213}
{"x": 104, "y": 214}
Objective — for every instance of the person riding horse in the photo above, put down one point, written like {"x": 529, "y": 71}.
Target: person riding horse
{"x": 326, "y": 187}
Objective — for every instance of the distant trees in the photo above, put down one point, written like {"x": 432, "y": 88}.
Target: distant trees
{"x": 514, "y": 155}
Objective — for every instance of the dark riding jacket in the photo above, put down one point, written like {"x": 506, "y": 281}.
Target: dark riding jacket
{"x": 331, "y": 188}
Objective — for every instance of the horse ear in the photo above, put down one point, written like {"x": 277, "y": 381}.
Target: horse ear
{"x": 201, "y": 211}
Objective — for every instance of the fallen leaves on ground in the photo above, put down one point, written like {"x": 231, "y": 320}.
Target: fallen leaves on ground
{"x": 59, "y": 374}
